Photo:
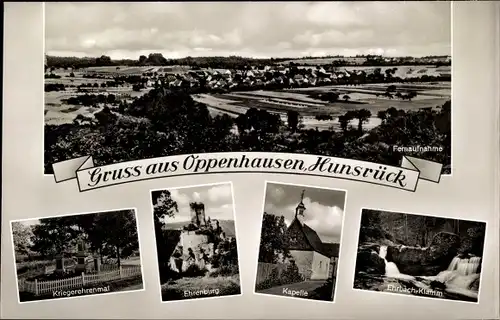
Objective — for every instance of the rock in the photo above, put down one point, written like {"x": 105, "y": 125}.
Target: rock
{"x": 444, "y": 246}
{"x": 369, "y": 262}
{"x": 475, "y": 285}
{"x": 425, "y": 261}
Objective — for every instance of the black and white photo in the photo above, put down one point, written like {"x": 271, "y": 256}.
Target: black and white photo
{"x": 196, "y": 242}
{"x": 420, "y": 255}
{"x": 77, "y": 255}
{"x": 367, "y": 81}
{"x": 300, "y": 241}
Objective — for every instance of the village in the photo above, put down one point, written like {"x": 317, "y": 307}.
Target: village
{"x": 288, "y": 74}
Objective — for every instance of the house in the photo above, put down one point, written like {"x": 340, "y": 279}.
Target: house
{"x": 313, "y": 258}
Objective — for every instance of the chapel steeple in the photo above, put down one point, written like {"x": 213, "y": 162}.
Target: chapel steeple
{"x": 299, "y": 211}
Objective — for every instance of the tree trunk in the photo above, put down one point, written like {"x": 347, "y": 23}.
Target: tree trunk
{"x": 100, "y": 254}
{"x": 118, "y": 255}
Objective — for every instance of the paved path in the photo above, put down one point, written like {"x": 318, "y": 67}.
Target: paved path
{"x": 308, "y": 286}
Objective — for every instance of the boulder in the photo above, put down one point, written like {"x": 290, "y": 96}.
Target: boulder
{"x": 426, "y": 261}
{"x": 475, "y": 285}
{"x": 370, "y": 262}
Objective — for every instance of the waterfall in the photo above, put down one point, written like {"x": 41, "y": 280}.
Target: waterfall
{"x": 382, "y": 252}
{"x": 465, "y": 266}
{"x": 391, "y": 269}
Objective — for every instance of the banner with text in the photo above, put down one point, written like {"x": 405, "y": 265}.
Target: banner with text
{"x": 90, "y": 177}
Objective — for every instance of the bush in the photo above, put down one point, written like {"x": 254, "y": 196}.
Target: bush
{"x": 291, "y": 275}
{"x": 229, "y": 270}
{"x": 54, "y": 87}
{"x": 194, "y": 271}
{"x": 231, "y": 289}
{"x": 272, "y": 281}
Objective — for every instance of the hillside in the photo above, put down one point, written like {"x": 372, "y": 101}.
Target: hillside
{"x": 226, "y": 225}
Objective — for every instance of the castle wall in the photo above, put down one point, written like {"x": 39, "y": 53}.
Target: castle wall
{"x": 195, "y": 242}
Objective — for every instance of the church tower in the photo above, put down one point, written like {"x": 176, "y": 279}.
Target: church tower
{"x": 300, "y": 209}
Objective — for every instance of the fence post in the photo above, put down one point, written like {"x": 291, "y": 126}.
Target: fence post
{"x": 120, "y": 271}
{"x": 83, "y": 279}
{"x": 36, "y": 287}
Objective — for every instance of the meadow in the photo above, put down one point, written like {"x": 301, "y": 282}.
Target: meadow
{"x": 369, "y": 96}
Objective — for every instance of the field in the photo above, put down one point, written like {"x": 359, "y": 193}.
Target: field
{"x": 402, "y": 72}
{"x": 361, "y": 97}
{"x": 302, "y": 100}
{"x": 58, "y": 112}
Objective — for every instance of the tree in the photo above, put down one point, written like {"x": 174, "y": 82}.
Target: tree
{"x": 54, "y": 236}
{"x": 121, "y": 232}
{"x": 344, "y": 122}
{"x": 382, "y": 115}
{"x": 363, "y": 116}
{"x": 142, "y": 59}
{"x": 163, "y": 206}
{"x": 21, "y": 235}
{"x": 273, "y": 243}
{"x": 166, "y": 240}
{"x": 242, "y": 123}
{"x": 391, "y": 88}
{"x": 293, "y": 120}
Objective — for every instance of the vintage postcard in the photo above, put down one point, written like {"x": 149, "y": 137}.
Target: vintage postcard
{"x": 196, "y": 242}
{"x": 420, "y": 255}
{"x": 300, "y": 241}
{"x": 251, "y": 160}
{"x": 77, "y": 255}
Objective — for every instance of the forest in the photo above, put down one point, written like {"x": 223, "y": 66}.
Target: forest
{"x": 420, "y": 230}
{"x": 165, "y": 122}
{"x": 231, "y": 62}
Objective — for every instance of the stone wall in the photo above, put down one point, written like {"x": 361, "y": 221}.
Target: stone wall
{"x": 303, "y": 260}
{"x": 320, "y": 266}
{"x": 189, "y": 239}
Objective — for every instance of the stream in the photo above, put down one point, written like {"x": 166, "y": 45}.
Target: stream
{"x": 460, "y": 281}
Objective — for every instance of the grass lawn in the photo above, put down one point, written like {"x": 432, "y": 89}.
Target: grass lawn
{"x": 175, "y": 289}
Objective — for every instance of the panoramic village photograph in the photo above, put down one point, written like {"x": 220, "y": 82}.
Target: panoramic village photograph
{"x": 196, "y": 242}
{"x": 77, "y": 255}
{"x": 360, "y": 80}
{"x": 300, "y": 241}
{"x": 420, "y": 255}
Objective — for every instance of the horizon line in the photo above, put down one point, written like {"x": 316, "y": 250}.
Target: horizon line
{"x": 255, "y": 57}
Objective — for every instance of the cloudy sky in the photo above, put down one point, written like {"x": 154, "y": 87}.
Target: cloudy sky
{"x": 218, "y": 200}
{"x": 324, "y": 208}
{"x": 256, "y": 29}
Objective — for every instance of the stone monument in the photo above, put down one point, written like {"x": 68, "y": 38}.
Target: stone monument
{"x": 81, "y": 256}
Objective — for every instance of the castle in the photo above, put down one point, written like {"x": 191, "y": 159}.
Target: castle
{"x": 198, "y": 240}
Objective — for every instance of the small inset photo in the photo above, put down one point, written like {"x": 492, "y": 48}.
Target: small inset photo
{"x": 419, "y": 255}
{"x": 77, "y": 255}
{"x": 300, "y": 241}
{"x": 196, "y": 242}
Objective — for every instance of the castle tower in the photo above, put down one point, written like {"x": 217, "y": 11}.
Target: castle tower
{"x": 198, "y": 214}
{"x": 300, "y": 209}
